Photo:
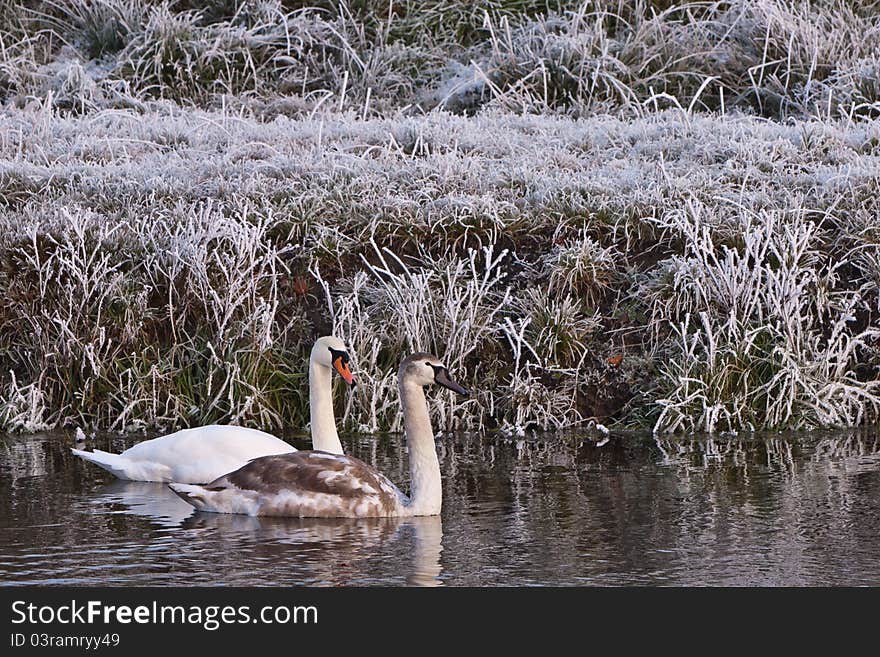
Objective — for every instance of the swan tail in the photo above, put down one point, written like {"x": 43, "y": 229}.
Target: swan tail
{"x": 110, "y": 462}
{"x": 122, "y": 467}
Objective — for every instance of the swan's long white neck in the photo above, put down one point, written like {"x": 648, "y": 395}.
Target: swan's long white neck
{"x": 323, "y": 421}
{"x": 424, "y": 467}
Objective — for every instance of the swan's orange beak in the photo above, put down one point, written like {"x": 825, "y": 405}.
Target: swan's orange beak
{"x": 344, "y": 370}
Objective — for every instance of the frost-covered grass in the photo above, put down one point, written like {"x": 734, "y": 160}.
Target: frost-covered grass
{"x": 777, "y": 58}
{"x": 645, "y": 214}
{"x": 166, "y": 266}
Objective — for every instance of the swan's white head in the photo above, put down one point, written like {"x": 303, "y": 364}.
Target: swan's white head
{"x": 424, "y": 369}
{"x": 330, "y": 351}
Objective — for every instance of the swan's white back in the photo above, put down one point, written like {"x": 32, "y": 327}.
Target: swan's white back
{"x": 191, "y": 456}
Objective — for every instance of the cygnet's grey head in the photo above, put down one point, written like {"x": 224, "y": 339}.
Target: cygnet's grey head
{"x": 425, "y": 369}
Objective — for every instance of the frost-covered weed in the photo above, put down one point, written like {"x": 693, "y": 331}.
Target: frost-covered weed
{"x": 764, "y": 335}
{"x": 202, "y": 248}
{"x": 450, "y": 307}
{"x": 582, "y": 267}
{"x": 527, "y": 395}
{"x": 559, "y": 326}
{"x": 595, "y": 231}
{"x": 98, "y": 27}
{"x": 146, "y": 321}
{"x": 579, "y": 57}
{"x": 777, "y": 58}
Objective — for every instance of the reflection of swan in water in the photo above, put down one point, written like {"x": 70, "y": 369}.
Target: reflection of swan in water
{"x": 145, "y": 499}
{"x": 369, "y": 532}
{"x": 336, "y": 540}
{"x": 426, "y": 555}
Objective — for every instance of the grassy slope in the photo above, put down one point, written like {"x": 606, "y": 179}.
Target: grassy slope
{"x": 167, "y": 264}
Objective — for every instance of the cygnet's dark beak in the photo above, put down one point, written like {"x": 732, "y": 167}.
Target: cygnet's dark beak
{"x": 441, "y": 377}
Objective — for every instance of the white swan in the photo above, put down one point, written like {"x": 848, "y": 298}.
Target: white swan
{"x": 318, "y": 484}
{"x": 204, "y": 453}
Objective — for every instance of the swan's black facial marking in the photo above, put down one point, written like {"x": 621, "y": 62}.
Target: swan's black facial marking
{"x": 442, "y": 378}
{"x": 340, "y": 360}
{"x": 339, "y": 354}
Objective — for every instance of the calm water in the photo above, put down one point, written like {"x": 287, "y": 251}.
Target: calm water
{"x": 802, "y": 510}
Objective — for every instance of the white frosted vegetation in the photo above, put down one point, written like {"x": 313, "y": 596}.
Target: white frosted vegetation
{"x": 778, "y": 58}
{"x": 114, "y": 315}
{"x": 446, "y": 305}
{"x": 765, "y": 337}
{"x": 189, "y": 195}
{"x": 168, "y": 267}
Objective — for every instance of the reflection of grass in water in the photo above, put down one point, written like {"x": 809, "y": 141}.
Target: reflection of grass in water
{"x": 24, "y": 458}
{"x": 859, "y": 449}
